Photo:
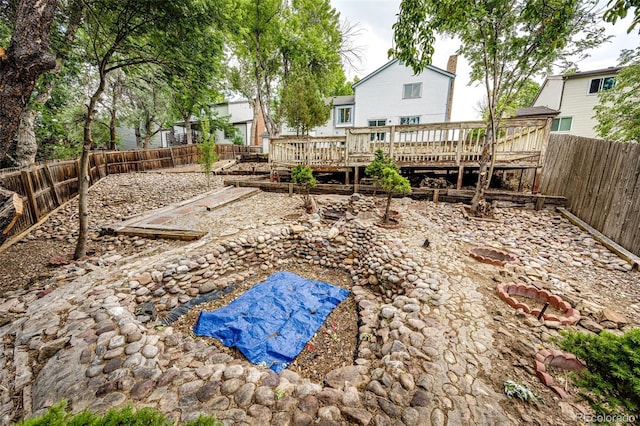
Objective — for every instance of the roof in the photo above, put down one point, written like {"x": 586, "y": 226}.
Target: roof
{"x": 342, "y": 100}
{"x": 392, "y": 62}
{"x": 536, "y": 111}
{"x": 602, "y": 71}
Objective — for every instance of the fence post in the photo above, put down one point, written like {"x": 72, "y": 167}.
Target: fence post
{"x": 54, "y": 189}
{"x": 28, "y": 184}
{"x": 106, "y": 164}
{"x": 173, "y": 161}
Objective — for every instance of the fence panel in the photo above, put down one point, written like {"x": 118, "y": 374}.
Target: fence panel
{"x": 601, "y": 181}
{"x": 46, "y": 186}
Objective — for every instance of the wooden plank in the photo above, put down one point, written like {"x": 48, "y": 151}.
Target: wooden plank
{"x": 28, "y": 184}
{"x": 617, "y": 182}
{"x": 11, "y": 209}
{"x": 623, "y": 191}
{"x": 52, "y": 185}
{"x": 169, "y": 234}
{"x": 603, "y": 203}
{"x": 597, "y": 185}
{"x": 448, "y": 195}
{"x": 630, "y": 229}
{"x": 15, "y": 238}
{"x": 603, "y": 239}
{"x": 590, "y": 147}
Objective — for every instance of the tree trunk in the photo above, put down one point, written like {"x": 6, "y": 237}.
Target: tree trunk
{"x": 187, "y": 127}
{"x": 482, "y": 176}
{"x": 11, "y": 208}
{"x": 385, "y": 219}
{"x": 27, "y": 57}
{"x": 27, "y": 146}
{"x": 112, "y": 128}
{"x": 147, "y": 138}
{"x": 139, "y": 141}
{"x": 83, "y": 172}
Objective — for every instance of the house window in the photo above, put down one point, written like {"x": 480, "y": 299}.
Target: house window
{"x": 561, "y": 124}
{"x": 412, "y": 91}
{"x": 598, "y": 84}
{"x": 410, "y": 120}
{"x": 344, "y": 115}
{"x": 377, "y": 136}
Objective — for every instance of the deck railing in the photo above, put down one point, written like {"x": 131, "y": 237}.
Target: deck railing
{"x": 519, "y": 141}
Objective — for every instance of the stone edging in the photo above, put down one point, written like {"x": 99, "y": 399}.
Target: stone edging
{"x": 559, "y": 359}
{"x": 571, "y": 317}
{"x": 492, "y": 256}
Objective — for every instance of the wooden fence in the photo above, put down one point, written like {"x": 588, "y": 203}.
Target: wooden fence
{"x": 46, "y": 186}
{"x": 601, "y": 181}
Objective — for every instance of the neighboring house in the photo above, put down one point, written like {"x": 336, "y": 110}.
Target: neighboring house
{"x": 128, "y": 139}
{"x": 393, "y": 95}
{"x": 240, "y": 115}
{"x": 573, "y": 96}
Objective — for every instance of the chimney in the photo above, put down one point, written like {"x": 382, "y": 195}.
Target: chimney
{"x": 452, "y": 64}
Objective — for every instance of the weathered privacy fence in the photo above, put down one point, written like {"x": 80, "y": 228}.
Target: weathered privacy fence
{"x": 601, "y": 181}
{"x": 46, "y": 186}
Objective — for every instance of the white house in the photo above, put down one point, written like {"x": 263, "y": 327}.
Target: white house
{"x": 574, "y": 97}
{"x": 240, "y": 115}
{"x": 393, "y": 95}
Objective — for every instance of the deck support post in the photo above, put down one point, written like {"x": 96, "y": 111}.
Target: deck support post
{"x": 460, "y": 175}
{"x": 356, "y": 179}
{"x": 346, "y": 177}
{"x": 535, "y": 188}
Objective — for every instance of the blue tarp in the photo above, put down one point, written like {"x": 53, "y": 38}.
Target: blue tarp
{"x": 273, "y": 321}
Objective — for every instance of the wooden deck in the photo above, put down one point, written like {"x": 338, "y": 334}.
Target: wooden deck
{"x": 521, "y": 144}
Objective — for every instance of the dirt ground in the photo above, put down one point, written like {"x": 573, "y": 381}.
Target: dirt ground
{"x": 333, "y": 345}
{"x": 27, "y": 264}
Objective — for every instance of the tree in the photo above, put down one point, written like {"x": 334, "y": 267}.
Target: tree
{"x": 379, "y": 163}
{"x": 393, "y": 183}
{"x": 618, "y": 112}
{"x": 207, "y": 149}
{"x": 302, "y": 176}
{"x": 63, "y": 35}
{"x": 304, "y": 107}
{"x": 194, "y": 72}
{"x": 505, "y": 41}
{"x": 619, "y": 8}
{"x": 524, "y": 98}
{"x": 256, "y": 46}
{"x": 118, "y": 35}
{"x": 385, "y": 173}
{"x": 22, "y": 63}
{"x": 147, "y": 95}
{"x": 115, "y": 89}
{"x": 279, "y": 43}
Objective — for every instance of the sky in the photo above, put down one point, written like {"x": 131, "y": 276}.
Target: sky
{"x": 376, "y": 17}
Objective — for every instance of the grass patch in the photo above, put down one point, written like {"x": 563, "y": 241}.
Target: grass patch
{"x": 58, "y": 415}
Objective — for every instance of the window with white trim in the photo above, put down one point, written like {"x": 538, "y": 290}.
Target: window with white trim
{"x": 598, "y": 84}
{"x": 410, "y": 120}
{"x": 344, "y": 115}
{"x": 412, "y": 91}
{"x": 561, "y": 124}
{"x": 377, "y": 136}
